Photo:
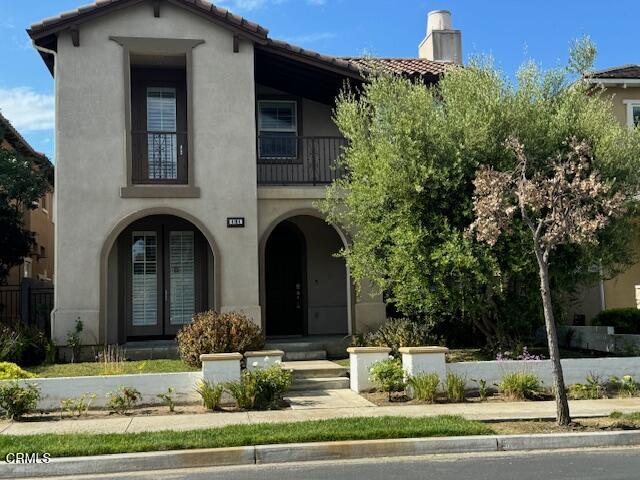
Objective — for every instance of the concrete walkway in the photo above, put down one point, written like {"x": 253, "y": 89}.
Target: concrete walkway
{"x": 314, "y": 411}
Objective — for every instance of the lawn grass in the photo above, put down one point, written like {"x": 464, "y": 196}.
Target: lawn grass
{"x": 356, "y": 428}
{"x": 343, "y": 362}
{"x": 96, "y": 368}
{"x": 635, "y": 416}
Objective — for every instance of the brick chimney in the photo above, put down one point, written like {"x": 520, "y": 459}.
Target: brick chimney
{"x": 442, "y": 43}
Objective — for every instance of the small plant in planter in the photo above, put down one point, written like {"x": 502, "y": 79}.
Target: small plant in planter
{"x": 627, "y": 386}
{"x": 520, "y": 386}
{"x": 483, "y": 388}
{"x": 260, "y": 389}
{"x": 424, "y": 386}
{"x": 593, "y": 389}
{"x": 167, "y": 399}
{"x": 455, "y": 385}
{"x": 210, "y": 393}
{"x": 387, "y": 375}
{"x": 16, "y": 400}
{"x": 76, "y": 406}
{"x": 123, "y": 400}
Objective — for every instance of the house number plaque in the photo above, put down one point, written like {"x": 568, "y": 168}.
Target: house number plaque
{"x": 235, "y": 222}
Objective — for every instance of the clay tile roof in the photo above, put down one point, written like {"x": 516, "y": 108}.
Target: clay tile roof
{"x": 401, "y": 66}
{"x": 623, "y": 71}
{"x": 201, "y": 6}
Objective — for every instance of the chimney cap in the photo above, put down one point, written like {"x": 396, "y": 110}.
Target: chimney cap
{"x": 438, "y": 20}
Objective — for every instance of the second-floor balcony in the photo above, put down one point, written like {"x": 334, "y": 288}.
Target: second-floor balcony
{"x": 296, "y": 160}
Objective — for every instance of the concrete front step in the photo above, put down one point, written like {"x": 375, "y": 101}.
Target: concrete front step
{"x": 315, "y": 369}
{"x": 320, "y": 383}
{"x": 295, "y": 356}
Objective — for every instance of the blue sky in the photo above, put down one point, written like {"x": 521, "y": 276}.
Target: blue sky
{"x": 510, "y": 30}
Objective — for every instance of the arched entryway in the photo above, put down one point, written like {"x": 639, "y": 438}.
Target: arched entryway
{"x": 162, "y": 266}
{"x": 305, "y": 285}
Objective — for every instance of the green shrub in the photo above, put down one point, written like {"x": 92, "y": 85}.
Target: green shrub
{"x": 123, "y": 400}
{"x": 387, "y": 375}
{"x": 213, "y": 332}
{"x": 260, "y": 389}
{"x": 77, "y": 406}
{"x": 483, "y": 389}
{"x": 167, "y": 399}
{"x": 594, "y": 389}
{"x": 396, "y": 333}
{"x": 25, "y": 345}
{"x": 17, "y": 400}
{"x": 10, "y": 370}
{"x": 520, "y": 386}
{"x": 624, "y": 320}
{"x": 74, "y": 340}
{"x": 455, "y": 385}
{"x": 210, "y": 393}
{"x": 627, "y": 386}
{"x": 424, "y": 386}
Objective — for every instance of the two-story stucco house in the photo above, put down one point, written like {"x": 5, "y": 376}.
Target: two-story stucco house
{"x": 622, "y": 86}
{"x": 190, "y": 149}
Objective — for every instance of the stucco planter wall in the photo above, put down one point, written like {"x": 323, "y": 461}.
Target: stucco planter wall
{"x": 263, "y": 359}
{"x": 418, "y": 360}
{"x": 361, "y": 359}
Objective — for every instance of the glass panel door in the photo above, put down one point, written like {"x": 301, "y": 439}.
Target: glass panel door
{"x": 182, "y": 288}
{"x": 144, "y": 282}
{"x": 161, "y": 133}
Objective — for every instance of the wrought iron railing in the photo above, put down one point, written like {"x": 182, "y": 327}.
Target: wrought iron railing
{"x": 158, "y": 157}
{"x": 293, "y": 160}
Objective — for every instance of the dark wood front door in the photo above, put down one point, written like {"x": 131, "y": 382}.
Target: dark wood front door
{"x": 285, "y": 261}
{"x": 163, "y": 272}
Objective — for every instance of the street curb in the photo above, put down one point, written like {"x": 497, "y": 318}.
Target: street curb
{"x": 301, "y": 452}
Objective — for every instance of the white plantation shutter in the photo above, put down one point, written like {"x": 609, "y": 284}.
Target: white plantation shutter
{"x": 162, "y": 147}
{"x": 144, "y": 279}
{"x": 182, "y": 275}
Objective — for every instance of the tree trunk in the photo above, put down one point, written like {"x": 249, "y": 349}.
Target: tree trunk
{"x": 562, "y": 405}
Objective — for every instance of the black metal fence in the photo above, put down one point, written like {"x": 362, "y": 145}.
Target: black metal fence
{"x": 28, "y": 303}
{"x": 292, "y": 160}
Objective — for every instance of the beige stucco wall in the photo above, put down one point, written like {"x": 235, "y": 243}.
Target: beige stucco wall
{"x": 90, "y": 144}
{"x": 618, "y": 95}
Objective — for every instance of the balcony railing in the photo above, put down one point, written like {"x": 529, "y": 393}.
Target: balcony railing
{"x": 159, "y": 157}
{"x": 291, "y": 160}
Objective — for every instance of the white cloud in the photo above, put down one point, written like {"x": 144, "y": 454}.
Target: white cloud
{"x": 311, "y": 37}
{"x": 27, "y": 109}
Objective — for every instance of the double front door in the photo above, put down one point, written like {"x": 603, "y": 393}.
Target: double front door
{"x": 163, "y": 275}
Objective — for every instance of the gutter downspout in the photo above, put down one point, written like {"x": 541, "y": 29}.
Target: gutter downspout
{"x": 54, "y": 206}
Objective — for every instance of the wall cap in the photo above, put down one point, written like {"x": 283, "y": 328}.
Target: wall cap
{"x": 414, "y": 350}
{"x": 368, "y": 349}
{"x": 264, "y": 353}
{"x": 214, "y": 357}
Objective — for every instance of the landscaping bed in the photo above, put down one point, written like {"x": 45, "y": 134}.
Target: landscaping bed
{"x": 92, "y": 369}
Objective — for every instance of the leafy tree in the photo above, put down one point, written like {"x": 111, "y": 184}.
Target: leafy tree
{"x": 22, "y": 184}
{"x": 407, "y": 200}
{"x": 561, "y": 200}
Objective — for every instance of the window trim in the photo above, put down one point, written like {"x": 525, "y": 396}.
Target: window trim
{"x": 298, "y": 131}
{"x": 630, "y": 103}
{"x": 170, "y": 46}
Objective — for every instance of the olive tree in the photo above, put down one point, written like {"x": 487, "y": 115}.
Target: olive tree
{"x": 407, "y": 199}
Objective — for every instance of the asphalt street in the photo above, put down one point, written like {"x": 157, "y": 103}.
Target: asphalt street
{"x": 601, "y": 464}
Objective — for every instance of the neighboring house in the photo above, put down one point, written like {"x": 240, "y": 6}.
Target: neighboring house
{"x": 190, "y": 151}
{"x": 38, "y": 265}
{"x": 622, "y": 84}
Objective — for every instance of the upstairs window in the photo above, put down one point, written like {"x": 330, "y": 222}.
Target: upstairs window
{"x": 633, "y": 112}
{"x": 278, "y": 129}
{"x": 159, "y": 125}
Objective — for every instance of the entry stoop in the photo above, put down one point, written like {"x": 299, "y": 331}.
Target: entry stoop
{"x": 315, "y": 347}
{"x": 317, "y": 375}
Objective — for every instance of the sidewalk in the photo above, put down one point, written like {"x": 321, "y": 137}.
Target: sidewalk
{"x": 334, "y": 406}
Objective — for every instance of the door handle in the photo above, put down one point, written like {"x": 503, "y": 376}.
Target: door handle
{"x": 166, "y": 295}
{"x": 180, "y": 150}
